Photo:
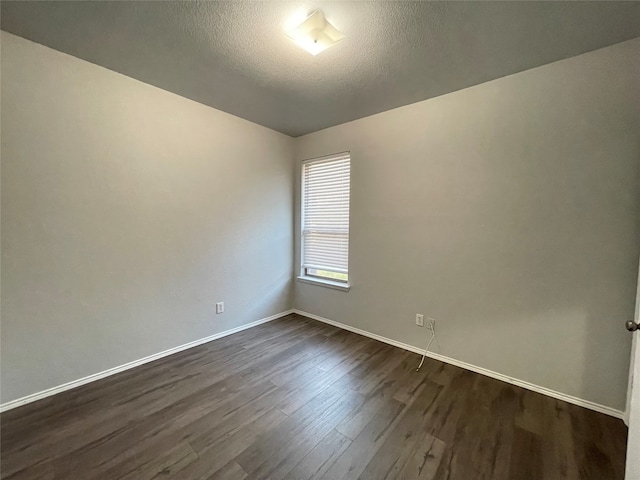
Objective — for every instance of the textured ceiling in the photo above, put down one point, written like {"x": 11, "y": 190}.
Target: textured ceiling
{"x": 234, "y": 56}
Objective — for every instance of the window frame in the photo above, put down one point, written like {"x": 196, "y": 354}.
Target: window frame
{"x": 304, "y": 275}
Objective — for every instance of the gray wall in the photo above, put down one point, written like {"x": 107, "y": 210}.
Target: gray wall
{"x": 127, "y": 212}
{"x": 507, "y": 211}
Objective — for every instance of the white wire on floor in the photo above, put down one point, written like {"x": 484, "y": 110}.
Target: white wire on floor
{"x": 433, "y": 336}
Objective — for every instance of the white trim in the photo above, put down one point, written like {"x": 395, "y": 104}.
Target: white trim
{"x": 345, "y": 287}
{"x": 346, "y": 155}
{"x": 467, "y": 366}
{"x": 630, "y": 381}
{"x": 632, "y": 360}
{"x": 327, "y": 158}
{"x": 112, "y": 371}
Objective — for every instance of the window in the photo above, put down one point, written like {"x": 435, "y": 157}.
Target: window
{"x": 325, "y": 219}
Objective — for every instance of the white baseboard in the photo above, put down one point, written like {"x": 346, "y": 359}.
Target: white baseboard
{"x": 483, "y": 371}
{"x": 112, "y": 371}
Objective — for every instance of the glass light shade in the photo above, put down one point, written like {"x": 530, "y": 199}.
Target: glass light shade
{"x": 315, "y": 34}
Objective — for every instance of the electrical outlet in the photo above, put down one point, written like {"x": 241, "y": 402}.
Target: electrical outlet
{"x": 432, "y": 323}
{"x": 220, "y": 307}
{"x": 419, "y": 320}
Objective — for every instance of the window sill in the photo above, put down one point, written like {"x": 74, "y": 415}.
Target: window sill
{"x": 325, "y": 283}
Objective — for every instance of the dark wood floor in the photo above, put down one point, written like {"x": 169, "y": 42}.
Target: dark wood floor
{"x": 299, "y": 399}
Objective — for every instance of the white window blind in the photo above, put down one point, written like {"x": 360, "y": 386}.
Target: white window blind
{"x": 325, "y": 214}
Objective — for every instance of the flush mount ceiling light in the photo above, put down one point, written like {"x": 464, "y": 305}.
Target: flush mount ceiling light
{"x": 315, "y": 34}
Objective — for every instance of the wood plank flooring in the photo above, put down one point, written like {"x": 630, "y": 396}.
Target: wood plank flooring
{"x": 297, "y": 399}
